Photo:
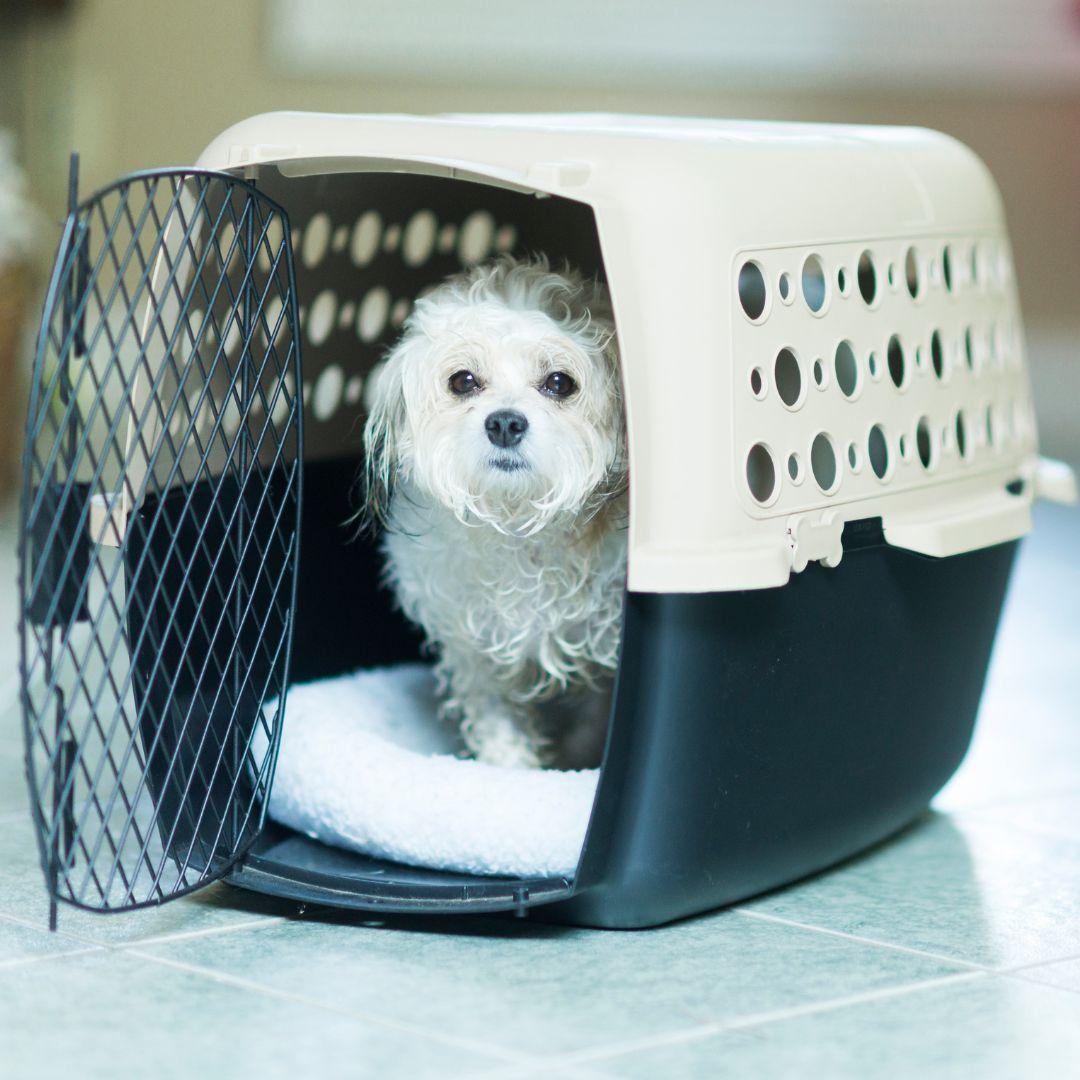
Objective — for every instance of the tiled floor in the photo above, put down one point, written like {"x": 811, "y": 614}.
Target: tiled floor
{"x": 951, "y": 951}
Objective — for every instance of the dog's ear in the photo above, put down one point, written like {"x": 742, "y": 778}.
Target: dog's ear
{"x": 385, "y": 425}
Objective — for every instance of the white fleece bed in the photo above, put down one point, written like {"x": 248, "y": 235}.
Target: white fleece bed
{"x": 365, "y": 764}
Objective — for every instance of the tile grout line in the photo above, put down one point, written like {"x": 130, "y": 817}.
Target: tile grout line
{"x": 186, "y": 935}
{"x": 719, "y": 1027}
{"x": 26, "y": 961}
{"x": 159, "y": 939}
{"x": 969, "y": 965}
{"x": 31, "y": 925}
{"x": 490, "y": 1050}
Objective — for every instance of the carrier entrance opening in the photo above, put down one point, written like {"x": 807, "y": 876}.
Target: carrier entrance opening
{"x": 366, "y": 246}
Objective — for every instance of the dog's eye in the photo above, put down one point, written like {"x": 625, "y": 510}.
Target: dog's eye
{"x": 558, "y": 384}
{"x": 463, "y": 382}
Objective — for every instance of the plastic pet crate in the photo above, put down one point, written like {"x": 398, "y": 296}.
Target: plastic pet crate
{"x": 832, "y": 458}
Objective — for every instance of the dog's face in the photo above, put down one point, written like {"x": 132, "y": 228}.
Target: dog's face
{"x": 502, "y": 401}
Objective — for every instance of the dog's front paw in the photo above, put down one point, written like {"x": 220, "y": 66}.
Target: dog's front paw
{"x": 496, "y": 738}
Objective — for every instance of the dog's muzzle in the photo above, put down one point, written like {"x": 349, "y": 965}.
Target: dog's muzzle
{"x": 506, "y": 427}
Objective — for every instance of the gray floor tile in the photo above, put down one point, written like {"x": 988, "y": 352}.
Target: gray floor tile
{"x": 1063, "y": 973}
{"x": 22, "y": 893}
{"x": 544, "y": 989}
{"x": 960, "y": 887}
{"x": 13, "y": 793}
{"x": 1056, "y": 814}
{"x": 1027, "y": 740}
{"x": 991, "y": 1028}
{"x": 21, "y": 942}
{"x": 111, "y": 1014}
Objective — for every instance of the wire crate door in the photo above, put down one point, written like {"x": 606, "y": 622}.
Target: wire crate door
{"x": 161, "y": 492}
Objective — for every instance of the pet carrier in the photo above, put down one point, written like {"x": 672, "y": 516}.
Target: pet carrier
{"x": 832, "y": 457}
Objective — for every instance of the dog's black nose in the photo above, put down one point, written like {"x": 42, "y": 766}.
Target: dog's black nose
{"x": 506, "y": 427}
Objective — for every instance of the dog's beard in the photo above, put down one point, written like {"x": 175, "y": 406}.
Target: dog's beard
{"x": 518, "y": 491}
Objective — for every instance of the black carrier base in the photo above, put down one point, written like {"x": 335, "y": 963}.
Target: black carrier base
{"x": 756, "y": 737}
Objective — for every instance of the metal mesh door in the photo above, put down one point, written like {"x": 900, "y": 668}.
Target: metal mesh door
{"x": 159, "y": 535}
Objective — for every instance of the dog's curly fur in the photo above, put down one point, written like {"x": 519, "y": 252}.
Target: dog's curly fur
{"x": 512, "y": 560}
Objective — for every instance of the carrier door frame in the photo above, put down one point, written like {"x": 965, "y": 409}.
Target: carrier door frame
{"x": 159, "y": 535}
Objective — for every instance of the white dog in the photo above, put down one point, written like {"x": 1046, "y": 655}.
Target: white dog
{"x": 496, "y": 461}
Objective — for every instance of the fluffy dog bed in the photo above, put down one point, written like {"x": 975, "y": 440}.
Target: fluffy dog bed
{"x": 365, "y": 764}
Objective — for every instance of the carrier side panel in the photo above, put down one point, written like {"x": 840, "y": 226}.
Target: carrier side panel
{"x": 761, "y": 736}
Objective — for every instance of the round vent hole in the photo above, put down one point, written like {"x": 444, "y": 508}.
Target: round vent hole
{"x": 847, "y": 369}
{"x": 823, "y": 463}
{"x": 877, "y": 450}
{"x": 753, "y": 294}
{"x": 867, "y": 277}
{"x": 760, "y": 473}
{"x": 814, "y": 288}
{"x": 788, "y": 378}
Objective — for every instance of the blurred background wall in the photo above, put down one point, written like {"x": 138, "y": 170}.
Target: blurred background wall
{"x": 134, "y": 83}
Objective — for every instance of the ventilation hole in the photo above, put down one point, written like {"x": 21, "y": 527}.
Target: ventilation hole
{"x": 905, "y": 447}
{"x": 875, "y": 367}
{"x": 784, "y": 287}
{"x": 418, "y": 241}
{"x": 969, "y": 348}
{"x": 316, "y": 240}
{"x": 847, "y": 369}
{"x": 988, "y": 424}
{"x": 920, "y": 359}
{"x": 354, "y": 389}
{"x": 447, "y": 238}
{"x": 340, "y": 239}
{"x": 372, "y": 315}
{"x": 794, "y": 468}
{"x": 505, "y": 239}
{"x": 961, "y": 433}
{"x": 975, "y": 276}
{"x": 867, "y": 277}
{"x": 819, "y": 374}
{"x": 823, "y": 463}
{"x": 932, "y": 271}
{"x": 474, "y": 240}
{"x": 924, "y": 442}
{"x": 400, "y": 311}
{"x": 947, "y": 268}
{"x": 391, "y": 240}
{"x": 788, "y": 378}
{"x": 854, "y": 458}
{"x": 274, "y": 311}
{"x": 263, "y": 257}
{"x": 232, "y": 335}
{"x": 911, "y": 272}
{"x": 346, "y": 314}
{"x": 326, "y": 396}
{"x": 937, "y": 355}
{"x": 877, "y": 450}
{"x": 814, "y": 288}
{"x": 946, "y": 438}
{"x": 891, "y": 275}
{"x": 226, "y": 253}
{"x": 365, "y": 238}
{"x": 321, "y": 317}
{"x": 757, "y": 383}
{"x": 842, "y": 284}
{"x": 284, "y": 401}
{"x": 752, "y": 292}
{"x": 760, "y": 473}
{"x": 895, "y": 359}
